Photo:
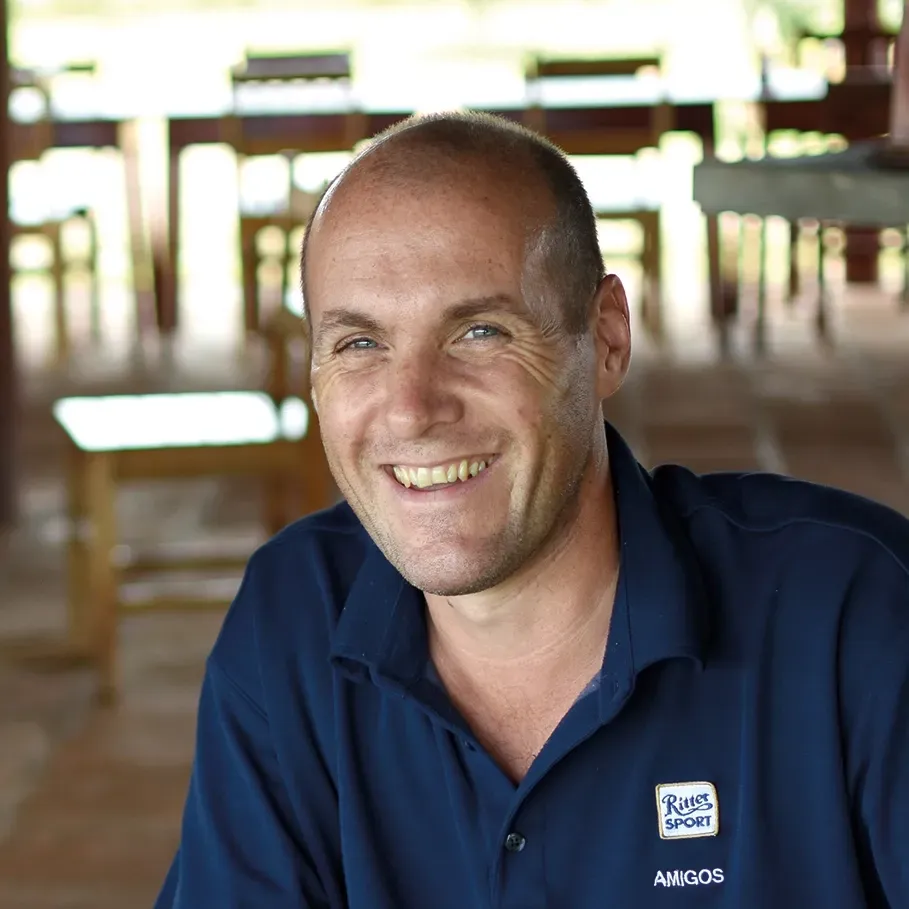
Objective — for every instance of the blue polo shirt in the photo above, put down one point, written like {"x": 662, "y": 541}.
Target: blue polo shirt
{"x": 747, "y": 743}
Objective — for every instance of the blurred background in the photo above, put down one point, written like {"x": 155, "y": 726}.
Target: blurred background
{"x": 162, "y": 160}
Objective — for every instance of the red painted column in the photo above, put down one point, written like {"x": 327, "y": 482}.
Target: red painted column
{"x": 860, "y": 21}
{"x": 9, "y": 411}
{"x": 899, "y": 100}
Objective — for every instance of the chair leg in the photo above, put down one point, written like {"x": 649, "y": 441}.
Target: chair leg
{"x": 249, "y": 261}
{"x": 78, "y": 575}
{"x": 318, "y": 489}
{"x": 276, "y": 503}
{"x": 95, "y": 288}
{"x": 651, "y": 261}
{"x": 286, "y": 260}
{"x": 718, "y": 313}
{"x": 279, "y": 368}
{"x": 100, "y": 504}
{"x": 62, "y": 346}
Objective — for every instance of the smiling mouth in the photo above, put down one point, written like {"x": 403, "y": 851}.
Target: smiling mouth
{"x": 440, "y": 475}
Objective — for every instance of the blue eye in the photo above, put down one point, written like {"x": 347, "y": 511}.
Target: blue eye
{"x": 359, "y": 344}
{"x": 482, "y": 332}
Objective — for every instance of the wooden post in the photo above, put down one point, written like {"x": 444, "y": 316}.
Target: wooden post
{"x": 9, "y": 411}
{"x": 861, "y": 24}
{"x": 860, "y": 19}
{"x": 899, "y": 98}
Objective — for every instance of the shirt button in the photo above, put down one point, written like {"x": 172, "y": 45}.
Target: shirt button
{"x": 514, "y": 842}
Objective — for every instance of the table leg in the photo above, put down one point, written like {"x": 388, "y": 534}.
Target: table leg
{"x": 795, "y": 275}
{"x": 78, "y": 567}
{"x": 760, "y": 327}
{"x": 904, "y": 294}
{"x": 714, "y": 272}
{"x": 821, "y": 319}
{"x": 99, "y": 502}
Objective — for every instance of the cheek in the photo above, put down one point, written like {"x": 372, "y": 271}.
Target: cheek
{"x": 345, "y": 403}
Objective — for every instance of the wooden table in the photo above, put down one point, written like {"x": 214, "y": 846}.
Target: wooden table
{"x": 857, "y": 109}
{"x": 113, "y": 440}
{"x": 575, "y": 129}
{"x": 93, "y": 133}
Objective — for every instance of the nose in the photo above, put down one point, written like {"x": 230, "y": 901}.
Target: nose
{"x": 419, "y": 394}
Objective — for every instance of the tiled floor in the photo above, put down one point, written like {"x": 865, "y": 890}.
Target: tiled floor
{"x": 90, "y": 799}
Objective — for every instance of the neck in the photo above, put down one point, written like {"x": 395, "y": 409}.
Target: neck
{"x": 554, "y": 610}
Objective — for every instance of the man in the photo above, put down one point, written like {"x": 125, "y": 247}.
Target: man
{"x": 514, "y": 668}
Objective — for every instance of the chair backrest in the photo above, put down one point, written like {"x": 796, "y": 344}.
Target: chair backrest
{"x": 624, "y": 138}
{"x": 541, "y": 68}
{"x": 263, "y": 72}
{"x": 293, "y": 67}
{"x": 33, "y": 135}
{"x": 277, "y": 76}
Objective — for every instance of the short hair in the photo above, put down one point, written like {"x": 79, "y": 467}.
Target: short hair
{"x": 569, "y": 246}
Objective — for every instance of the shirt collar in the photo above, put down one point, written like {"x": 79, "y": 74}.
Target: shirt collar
{"x": 661, "y": 609}
{"x": 659, "y": 613}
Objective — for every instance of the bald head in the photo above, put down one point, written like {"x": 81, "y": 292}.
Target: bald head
{"x": 473, "y": 153}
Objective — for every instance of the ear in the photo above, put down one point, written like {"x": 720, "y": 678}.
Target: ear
{"x": 611, "y": 330}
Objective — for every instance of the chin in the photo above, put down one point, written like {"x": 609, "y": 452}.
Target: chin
{"x": 450, "y": 574}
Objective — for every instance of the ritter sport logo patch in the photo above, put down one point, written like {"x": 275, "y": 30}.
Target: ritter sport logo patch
{"x": 686, "y": 810}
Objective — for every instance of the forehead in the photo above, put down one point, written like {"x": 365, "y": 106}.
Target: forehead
{"x": 435, "y": 232}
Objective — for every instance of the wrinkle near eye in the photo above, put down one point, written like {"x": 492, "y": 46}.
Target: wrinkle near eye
{"x": 539, "y": 360}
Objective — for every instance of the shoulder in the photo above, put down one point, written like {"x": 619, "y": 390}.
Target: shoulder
{"x": 818, "y": 575}
{"x": 764, "y": 508}
{"x": 289, "y": 600}
{"x": 823, "y": 569}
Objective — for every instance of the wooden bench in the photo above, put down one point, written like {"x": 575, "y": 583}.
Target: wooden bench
{"x": 114, "y": 440}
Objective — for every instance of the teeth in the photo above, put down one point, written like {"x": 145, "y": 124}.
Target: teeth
{"x": 423, "y": 477}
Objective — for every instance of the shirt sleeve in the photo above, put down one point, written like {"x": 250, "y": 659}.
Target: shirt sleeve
{"x": 242, "y": 845}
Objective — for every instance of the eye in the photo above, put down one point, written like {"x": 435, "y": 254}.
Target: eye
{"x": 357, "y": 344}
{"x": 481, "y": 333}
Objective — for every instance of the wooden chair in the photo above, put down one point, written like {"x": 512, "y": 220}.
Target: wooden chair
{"x": 286, "y": 336}
{"x": 283, "y": 216}
{"x": 624, "y": 141}
{"x": 50, "y": 221}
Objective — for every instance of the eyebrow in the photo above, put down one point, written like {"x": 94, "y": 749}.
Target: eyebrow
{"x": 344, "y": 317}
